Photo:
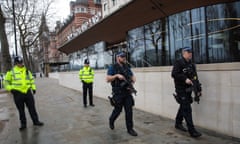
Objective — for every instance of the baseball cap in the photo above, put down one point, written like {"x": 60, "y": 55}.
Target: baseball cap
{"x": 188, "y": 49}
{"x": 121, "y": 54}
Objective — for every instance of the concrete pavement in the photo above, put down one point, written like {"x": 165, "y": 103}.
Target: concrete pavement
{"x": 68, "y": 122}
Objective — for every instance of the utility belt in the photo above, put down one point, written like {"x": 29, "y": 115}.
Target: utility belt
{"x": 87, "y": 82}
{"x": 118, "y": 96}
{"x": 119, "y": 90}
{"x": 182, "y": 96}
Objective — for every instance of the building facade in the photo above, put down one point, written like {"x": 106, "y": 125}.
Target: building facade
{"x": 81, "y": 17}
{"x": 110, "y": 6}
{"x": 212, "y": 31}
{"x": 83, "y": 13}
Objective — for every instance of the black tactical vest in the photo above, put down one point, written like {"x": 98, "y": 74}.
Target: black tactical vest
{"x": 123, "y": 70}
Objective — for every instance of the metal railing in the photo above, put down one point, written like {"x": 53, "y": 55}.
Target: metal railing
{"x": 58, "y": 59}
{"x": 145, "y": 62}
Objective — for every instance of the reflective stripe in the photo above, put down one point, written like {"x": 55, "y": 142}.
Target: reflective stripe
{"x": 17, "y": 79}
{"x": 17, "y": 84}
{"x": 27, "y": 73}
{"x": 14, "y": 77}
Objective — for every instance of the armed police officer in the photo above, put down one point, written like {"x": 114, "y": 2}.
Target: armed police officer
{"x": 20, "y": 82}
{"x": 182, "y": 72}
{"x": 120, "y": 75}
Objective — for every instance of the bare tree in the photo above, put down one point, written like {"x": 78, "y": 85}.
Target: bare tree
{"x": 28, "y": 15}
{"x": 152, "y": 29}
{"x": 5, "y": 56}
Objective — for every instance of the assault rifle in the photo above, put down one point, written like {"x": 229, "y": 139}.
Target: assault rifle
{"x": 127, "y": 83}
{"x": 129, "y": 86}
{"x": 196, "y": 88}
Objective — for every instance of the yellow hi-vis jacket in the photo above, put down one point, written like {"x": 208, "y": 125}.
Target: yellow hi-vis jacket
{"x": 86, "y": 74}
{"x": 20, "y": 79}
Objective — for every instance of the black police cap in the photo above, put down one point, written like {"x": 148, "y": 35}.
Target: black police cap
{"x": 86, "y": 61}
{"x": 18, "y": 60}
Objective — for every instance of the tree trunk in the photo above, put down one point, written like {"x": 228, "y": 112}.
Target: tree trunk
{"x": 163, "y": 35}
{"x": 25, "y": 57}
{"x": 5, "y": 55}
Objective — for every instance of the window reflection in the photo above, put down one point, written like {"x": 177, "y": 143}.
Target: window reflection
{"x": 180, "y": 33}
{"x": 213, "y": 33}
{"x": 223, "y": 32}
{"x": 136, "y": 46}
{"x": 99, "y": 58}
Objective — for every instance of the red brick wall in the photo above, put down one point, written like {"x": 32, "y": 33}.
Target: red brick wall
{"x": 79, "y": 19}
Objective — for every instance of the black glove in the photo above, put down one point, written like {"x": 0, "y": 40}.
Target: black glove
{"x": 13, "y": 92}
{"x": 34, "y": 91}
{"x": 112, "y": 102}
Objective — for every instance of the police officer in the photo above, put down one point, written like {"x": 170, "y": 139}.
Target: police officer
{"x": 86, "y": 75}
{"x": 122, "y": 97}
{"x": 20, "y": 82}
{"x": 181, "y": 73}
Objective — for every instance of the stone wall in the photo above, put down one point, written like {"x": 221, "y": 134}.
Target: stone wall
{"x": 219, "y": 106}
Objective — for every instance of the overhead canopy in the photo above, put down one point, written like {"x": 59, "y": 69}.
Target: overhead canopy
{"x": 113, "y": 28}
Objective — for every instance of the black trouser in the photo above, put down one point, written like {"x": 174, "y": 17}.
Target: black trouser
{"x": 20, "y": 100}
{"x": 126, "y": 101}
{"x": 185, "y": 111}
{"x": 87, "y": 87}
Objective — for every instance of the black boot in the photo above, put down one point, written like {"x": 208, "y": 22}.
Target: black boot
{"x": 132, "y": 132}
{"x": 180, "y": 127}
{"x": 195, "y": 134}
{"x": 23, "y": 127}
{"x": 111, "y": 125}
{"x": 38, "y": 123}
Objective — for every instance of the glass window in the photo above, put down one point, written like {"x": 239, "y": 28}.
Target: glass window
{"x": 223, "y": 32}
{"x": 136, "y": 46}
{"x": 198, "y": 35}
{"x": 179, "y": 33}
{"x": 113, "y": 2}
{"x": 97, "y": 1}
{"x": 99, "y": 58}
{"x": 82, "y": 10}
{"x": 148, "y": 45}
{"x": 156, "y": 49}
{"x": 105, "y": 7}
